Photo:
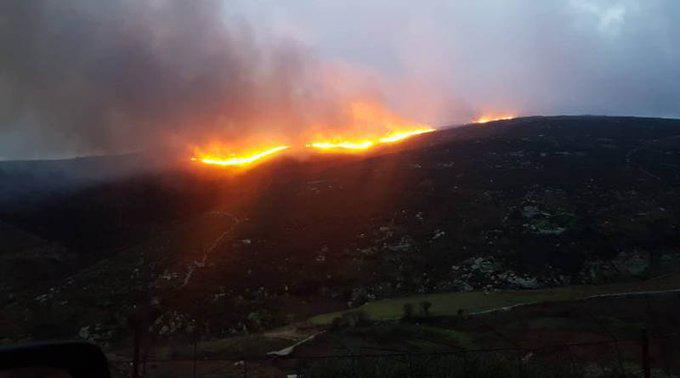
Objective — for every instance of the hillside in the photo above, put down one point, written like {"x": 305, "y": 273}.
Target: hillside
{"x": 521, "y": 204}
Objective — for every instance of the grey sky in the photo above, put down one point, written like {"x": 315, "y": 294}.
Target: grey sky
{"x": 79, "y": 77}
{"x": 538, "y": 57}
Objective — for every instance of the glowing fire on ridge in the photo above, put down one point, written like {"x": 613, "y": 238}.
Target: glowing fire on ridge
{"x": 359, "y": 145}
{"x": 233, "y": 160}
{"x": 366, "y": 125}
{"x": 397, "y": 137}
{"x": 491, "y": 118}
{"x": 347, "y": 145}
{"x": 370, "y": 124}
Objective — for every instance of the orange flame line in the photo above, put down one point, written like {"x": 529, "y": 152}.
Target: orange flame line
{"x": 236, "y": 161}
{"x": 396, "y": 137}
{"x": 342, "y": 145}
{"x": 485, "y": 119}
{"x": 366, "y": 144}
{"x": 333, "y": 145}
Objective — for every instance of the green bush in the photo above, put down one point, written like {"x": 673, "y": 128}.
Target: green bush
{"x": 408, "y": 311}
{"x": 425, "y": 308}
{"x": 351, "y": 319}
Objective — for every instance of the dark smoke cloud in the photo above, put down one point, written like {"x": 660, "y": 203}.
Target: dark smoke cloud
{"x": 90, "y": 76}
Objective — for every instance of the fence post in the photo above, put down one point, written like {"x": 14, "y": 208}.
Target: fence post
{"x": 194, "y": 357}
{"x": 410, "y": 365}
{"x": 571, "y": 358}
{"x": 135, "y": 353}
{"x": 646, "y": 368}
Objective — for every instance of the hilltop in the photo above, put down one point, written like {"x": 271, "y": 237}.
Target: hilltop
{"x": 528, "y": 203}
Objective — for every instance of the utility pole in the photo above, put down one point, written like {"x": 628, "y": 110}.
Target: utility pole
{"x": 646, "y": 363}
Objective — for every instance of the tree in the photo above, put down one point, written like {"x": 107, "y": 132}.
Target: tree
{"x": 408, "y": 311}
{"x": 425, "y": 308}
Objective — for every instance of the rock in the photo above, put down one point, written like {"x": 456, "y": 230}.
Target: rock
{"x": 438, "y": 234}
{"x": 483, "y": 265}
{"x": 462, "y": 286}
{"x": 625, "y": 264}
{"x": 84, "y": 333}
{"x": 403, "y": 246}
{"x": 530, "y": 211}
{"x": 523, "y": 282}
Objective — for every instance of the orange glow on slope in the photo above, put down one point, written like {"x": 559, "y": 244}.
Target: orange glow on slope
{"x": 358, "y": 127}
{"x": 491, "y": 118}
{"x": 236, "y": 160}
{"x": 399, "y": 136}
{"x": 370, "y": 125}
{"x": 361, "y": 145}
{"x": 346, "y": 145}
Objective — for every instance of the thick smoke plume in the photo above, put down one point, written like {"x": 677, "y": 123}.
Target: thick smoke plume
{"x": 87, "y": 76}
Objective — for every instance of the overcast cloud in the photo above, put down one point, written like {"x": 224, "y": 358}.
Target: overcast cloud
{"x": 81, "y": 76}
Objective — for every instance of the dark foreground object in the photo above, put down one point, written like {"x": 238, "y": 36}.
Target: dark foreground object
{"x": 79, "y": 360}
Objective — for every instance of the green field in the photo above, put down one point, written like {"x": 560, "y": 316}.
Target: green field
{"x": 448, "y": 304}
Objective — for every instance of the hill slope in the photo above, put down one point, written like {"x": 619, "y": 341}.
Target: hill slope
{"x": 525, "y": 203}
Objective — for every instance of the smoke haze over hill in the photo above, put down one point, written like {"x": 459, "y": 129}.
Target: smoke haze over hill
{"x": 84, "y": 76}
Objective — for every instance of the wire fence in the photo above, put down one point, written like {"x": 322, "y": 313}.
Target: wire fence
{"x": 642, "y": 357}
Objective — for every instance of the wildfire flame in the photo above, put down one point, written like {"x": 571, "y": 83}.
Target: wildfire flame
{"x": 370, "y": 125}
{"x": 233, "y": 160}
{"x": 491, "y": 118}
{"x": 346, "y": 145}
{"x": 399, "y": 136}
{"x": 367, "y": 125}
{"x": 360, "y": 145}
